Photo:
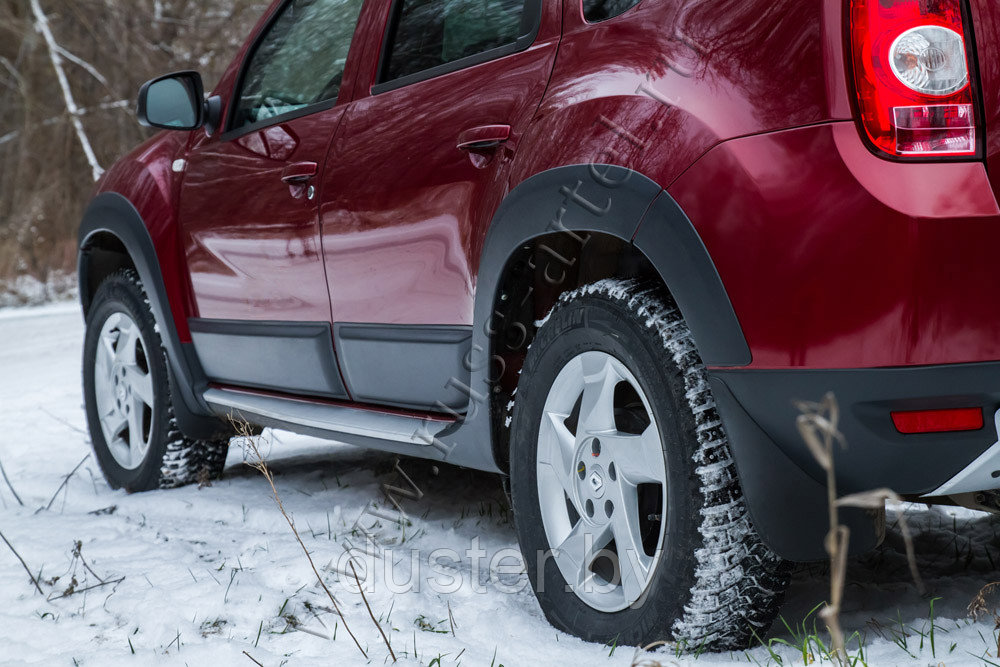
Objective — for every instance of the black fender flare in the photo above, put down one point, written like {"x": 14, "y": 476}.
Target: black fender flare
{"x": 111, "y": 213}
{"x": 593, "y": 198}
{"x": 669, "y": 240}
{"x": 627, "y": 204}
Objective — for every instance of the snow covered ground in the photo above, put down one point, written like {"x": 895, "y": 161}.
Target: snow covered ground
{"x": 206, "y": 574}
{"x": 29, "y": 291}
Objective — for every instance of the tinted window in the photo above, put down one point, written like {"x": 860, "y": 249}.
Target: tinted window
{"x": 300, "y": 61}
{"x": 599, "y": 10}
{"x": 429, "y": 33}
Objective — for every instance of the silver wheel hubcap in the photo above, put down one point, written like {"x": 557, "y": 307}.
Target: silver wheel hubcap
{"x": 123, "y": 388}
{"x": 602, "y": 481}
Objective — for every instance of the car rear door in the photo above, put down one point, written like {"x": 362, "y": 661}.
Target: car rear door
{"x": 417, "y": 169}
{"x": 249, "y": 207}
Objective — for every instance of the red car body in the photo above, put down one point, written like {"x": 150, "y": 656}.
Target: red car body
{"x": 811, "y": 261}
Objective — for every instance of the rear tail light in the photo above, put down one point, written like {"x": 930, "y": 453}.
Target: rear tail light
{"x": 947, "y": 129}
{"x": 912, "y": 77}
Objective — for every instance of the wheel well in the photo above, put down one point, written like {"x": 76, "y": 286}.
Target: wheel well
{"x": 533, "y": 279}
{"x": 102, "y": 254}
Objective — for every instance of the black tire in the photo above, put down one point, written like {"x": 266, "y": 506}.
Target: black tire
{"x": 716, "y": 584}
{"x": 172, "y": 460}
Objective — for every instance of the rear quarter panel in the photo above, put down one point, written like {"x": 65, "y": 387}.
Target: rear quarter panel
{"x": 986, "y": 21}
{"x": 656, "y": 87}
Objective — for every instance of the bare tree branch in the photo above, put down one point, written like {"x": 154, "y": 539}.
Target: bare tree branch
{"x": 55, "y": 55}
{"x": 84, "y": 64}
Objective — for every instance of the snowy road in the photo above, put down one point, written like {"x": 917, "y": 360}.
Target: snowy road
{"x": 206, "y": 574}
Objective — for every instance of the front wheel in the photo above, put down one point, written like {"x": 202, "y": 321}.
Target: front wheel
{"x": 127, "y": 395}
{"x": 628, "y": 509}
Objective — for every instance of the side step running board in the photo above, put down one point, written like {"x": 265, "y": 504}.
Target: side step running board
{"x": 367, "y": 428}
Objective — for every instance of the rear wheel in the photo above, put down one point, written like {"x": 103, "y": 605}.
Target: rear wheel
{"x": 628, "y": 508}
{"x": 127, "y": 396}
{"x": 599, "y": 449}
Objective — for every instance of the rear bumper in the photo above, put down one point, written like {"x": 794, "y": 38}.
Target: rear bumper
{"x": 876, "y": 454}
{"x": 785, "y": 487}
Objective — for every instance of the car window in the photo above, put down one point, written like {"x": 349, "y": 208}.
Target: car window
{"x": 601, "y": 10}
{"x": 430, "y": 33}
{"x": 299, "y": 61}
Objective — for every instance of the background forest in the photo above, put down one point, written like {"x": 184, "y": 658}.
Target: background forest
{"x": 69, "y": 74}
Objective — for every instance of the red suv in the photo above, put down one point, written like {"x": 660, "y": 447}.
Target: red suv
{"x": 599, "y": 246}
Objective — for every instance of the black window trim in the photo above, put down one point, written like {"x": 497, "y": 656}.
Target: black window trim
{"x": 235, "y": 133}
{"x": 533, "y": 12}
{"x": 244, "y": 130}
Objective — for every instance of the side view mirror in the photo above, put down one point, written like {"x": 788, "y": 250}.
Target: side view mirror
{"x": 177, "y": 102}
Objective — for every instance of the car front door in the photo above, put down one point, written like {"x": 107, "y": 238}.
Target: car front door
{"x": 417, "y": 169}
{"x": 249, "y": 205}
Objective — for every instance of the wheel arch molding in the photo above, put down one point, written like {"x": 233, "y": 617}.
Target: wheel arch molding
{"x": 574, "y": 201}
{"x": 113, "y": 235}
{"x": 627, "y": 204}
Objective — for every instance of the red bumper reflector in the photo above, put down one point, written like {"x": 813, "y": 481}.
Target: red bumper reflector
{"x": 938, "y": 421}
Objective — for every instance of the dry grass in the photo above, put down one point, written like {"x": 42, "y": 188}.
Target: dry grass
{"x": 986, "y": 604}
{"x": 256, "y": 460}
{"x": 640, "y": 660}
{"x": 27, "y": 569}
{"x": 818, "y": 426}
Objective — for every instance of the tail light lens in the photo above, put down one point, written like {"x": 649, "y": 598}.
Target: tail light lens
{"x": 912, "y": 77}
